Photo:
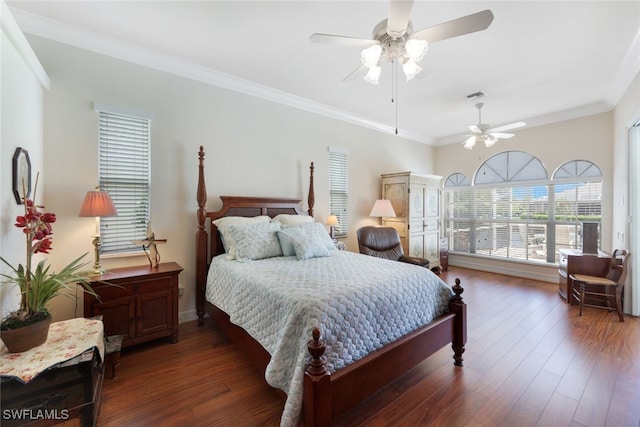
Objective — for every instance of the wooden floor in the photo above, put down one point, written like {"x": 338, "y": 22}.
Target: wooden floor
{"x": 530, "y": 360}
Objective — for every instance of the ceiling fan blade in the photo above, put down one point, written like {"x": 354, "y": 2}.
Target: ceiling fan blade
{"x": 510, "y": 126}
{"x": 474, "y": 129}
{"x": 355, "y": 74}
{"x": 399, "y": 11}
{"x": 341, "y": 40}
{"x": 457, "y": 27}
{"x": 502, "y": 135}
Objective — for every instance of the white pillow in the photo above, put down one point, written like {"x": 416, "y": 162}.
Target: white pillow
{"x": 288, "y": 236}
{"x": 225, "y": 222}
{"x": 256, "y": 241}
{"x": 311, "y": 247}
{"x": 287, "y": 219}
{"x": 318, "y": 229}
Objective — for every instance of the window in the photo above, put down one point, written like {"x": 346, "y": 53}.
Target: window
{"x": 514, "y": 211}
{"x": 124, "y": 171}
{"x": 338, "y": 189}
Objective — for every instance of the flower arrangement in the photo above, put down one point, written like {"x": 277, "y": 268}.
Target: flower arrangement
{"x": 38, "y": 286}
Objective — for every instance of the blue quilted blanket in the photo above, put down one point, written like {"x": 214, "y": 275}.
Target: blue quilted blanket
{"x": 360, "y": 303}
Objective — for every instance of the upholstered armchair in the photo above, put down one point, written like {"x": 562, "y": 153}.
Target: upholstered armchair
{"x": 384, "y": 242}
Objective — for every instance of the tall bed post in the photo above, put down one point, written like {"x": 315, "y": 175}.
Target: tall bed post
{"x": 201, "y": 240}
{"x": 311, "y": 199}
{"x": 458, "y": 307}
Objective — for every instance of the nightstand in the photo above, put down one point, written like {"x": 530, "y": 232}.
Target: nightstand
{"x": 140, "y": 303}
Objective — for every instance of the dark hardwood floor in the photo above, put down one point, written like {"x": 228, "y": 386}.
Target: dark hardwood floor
{"x": 530, "y": 360}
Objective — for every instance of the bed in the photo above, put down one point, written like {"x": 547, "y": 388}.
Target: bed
{"x": 323, "y": 392}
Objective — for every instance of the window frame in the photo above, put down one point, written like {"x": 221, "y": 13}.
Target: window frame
{"x": 525, "y": 213}
{"x": 124, "y": 170}
{"x": 339, "y": 189}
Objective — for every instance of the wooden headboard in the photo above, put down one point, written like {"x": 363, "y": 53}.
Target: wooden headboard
{"x": 208, "y": 243}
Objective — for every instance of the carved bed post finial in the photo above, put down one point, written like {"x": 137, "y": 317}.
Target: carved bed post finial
{"x": 316, "y": 350}
{"x": 311, "y": 200}
{"x": 201, "y": 238}
{"x": 317, "y": 385}
{"x": 457, "y": 306}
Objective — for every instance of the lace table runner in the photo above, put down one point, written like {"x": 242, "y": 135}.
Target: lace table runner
{"x": 67, "y": 339}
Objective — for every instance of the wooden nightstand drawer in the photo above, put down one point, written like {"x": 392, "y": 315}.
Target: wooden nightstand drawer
{"x": 125, "y": 288}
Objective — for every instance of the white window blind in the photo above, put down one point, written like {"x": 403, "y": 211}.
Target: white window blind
{"x": 528, "y": 220}
{"x": 124, "y": 171}
{"x": 339, "y": 189}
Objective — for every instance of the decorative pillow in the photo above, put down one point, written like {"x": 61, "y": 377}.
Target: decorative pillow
{"x": 224, "y": 223}
{"x": 318, "y": 229}
{"x": 257, "y": 241}
{"x": 287, "y": 238}
{"x": 287, "y": 219}
{"x": 311, "y": 247}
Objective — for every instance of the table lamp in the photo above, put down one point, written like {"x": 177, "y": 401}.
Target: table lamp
{"x": 332, "y": 221}
{"x": 97, "y": 204}
{"x": 382, "y": 208}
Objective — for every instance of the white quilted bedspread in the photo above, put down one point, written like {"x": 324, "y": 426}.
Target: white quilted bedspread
{"x": 359, "y": 302}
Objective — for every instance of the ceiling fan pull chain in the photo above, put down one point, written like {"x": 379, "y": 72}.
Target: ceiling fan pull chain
{"x": 393, "y": 79}
{"x": 394, "y": 84}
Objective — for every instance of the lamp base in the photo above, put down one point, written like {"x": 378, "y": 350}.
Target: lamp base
{"x": 97, "y": 268}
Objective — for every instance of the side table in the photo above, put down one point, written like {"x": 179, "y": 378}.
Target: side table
{"x": 56, "y": 381}
{"x": 65, "y": 391}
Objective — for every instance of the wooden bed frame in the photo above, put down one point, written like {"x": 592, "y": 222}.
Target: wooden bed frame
{"x": 326, "y": 396}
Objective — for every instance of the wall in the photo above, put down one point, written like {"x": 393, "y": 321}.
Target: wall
{"x": 626, "y": 113}
{"x": 586, "y": 138}
{"x": 22, "y": 83}
{"x": 253, "y": 147}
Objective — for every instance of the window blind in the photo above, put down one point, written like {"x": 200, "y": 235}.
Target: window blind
{"x": 522, "y": 220}
{"x": 124, "y": 171}
{"x": 339, "y": 189}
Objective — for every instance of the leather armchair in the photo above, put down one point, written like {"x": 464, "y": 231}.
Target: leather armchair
{"x": 384, "y": 242}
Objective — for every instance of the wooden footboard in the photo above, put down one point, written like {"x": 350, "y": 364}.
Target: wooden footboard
{"x": 327, "y": 396}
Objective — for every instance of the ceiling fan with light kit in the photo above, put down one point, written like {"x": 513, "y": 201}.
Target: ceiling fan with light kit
{"x": 483, "y": 133}
{"x": 395, "y": 41}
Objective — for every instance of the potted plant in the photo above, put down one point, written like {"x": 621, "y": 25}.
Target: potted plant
{"x": 28, "y": 326}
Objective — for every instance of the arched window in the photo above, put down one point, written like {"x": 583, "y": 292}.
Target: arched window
{"x": 514, "y": 211}
{"x": 577, "y": 198}
{"x": 510, "y": 166}
{"x": 456, "y": 180}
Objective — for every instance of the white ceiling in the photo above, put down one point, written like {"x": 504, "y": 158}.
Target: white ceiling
{"x": 539, "y": 61}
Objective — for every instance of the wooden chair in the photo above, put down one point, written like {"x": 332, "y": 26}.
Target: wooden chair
{"x": 608, "y": 288}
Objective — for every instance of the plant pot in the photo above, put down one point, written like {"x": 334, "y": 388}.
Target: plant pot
{"x": 26, "y": 337}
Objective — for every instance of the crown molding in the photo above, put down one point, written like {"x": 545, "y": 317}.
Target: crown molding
{"x": 558, "y": 116}
{"x": 11, "y": 30}
{"x": 628, "y": 70}
{"x": 50, "y": 29}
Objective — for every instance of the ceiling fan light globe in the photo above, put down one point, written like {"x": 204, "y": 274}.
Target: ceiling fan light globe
{"x": 470, "y": 142}
{"x": 411, "y": 69}
{"x": 490, "y": 141}
{"x": 416, "y": 49}
{"x": 373, "y": 76}
{"x": 371, "y": 55}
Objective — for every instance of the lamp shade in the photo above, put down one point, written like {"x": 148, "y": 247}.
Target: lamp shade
{"x": 97, "y": 203}
{"x": 332, "y": 220}
{"x": 383, "y": 208}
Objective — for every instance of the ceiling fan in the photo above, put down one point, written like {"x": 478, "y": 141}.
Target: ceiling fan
{"x": 483, "y": 132}
{"x": 394, "y": 40}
